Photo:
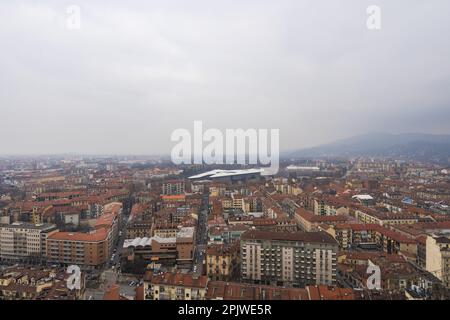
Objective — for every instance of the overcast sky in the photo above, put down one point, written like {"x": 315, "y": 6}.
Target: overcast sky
{"x": 137, "y": 70}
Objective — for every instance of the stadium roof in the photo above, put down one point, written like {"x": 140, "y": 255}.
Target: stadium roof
{"x": 298, "y": 168}
{"x": 218, "y": 173}
{"x": 362, "y": 197}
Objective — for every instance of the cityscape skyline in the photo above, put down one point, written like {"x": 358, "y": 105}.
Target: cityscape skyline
{"x": 324, "y": 229}
{"x": 228, "y": 158}
{"x": 166, "y": 154}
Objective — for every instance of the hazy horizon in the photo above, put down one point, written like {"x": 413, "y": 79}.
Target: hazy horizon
{"x": 136, "y": 71}
{"x": 167, "y": 154}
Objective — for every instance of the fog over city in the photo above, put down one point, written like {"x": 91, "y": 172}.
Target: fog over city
{"x": 137, "y": 70}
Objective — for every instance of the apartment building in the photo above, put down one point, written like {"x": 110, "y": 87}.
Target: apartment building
{"x": 139, "y": 229}
{"x": 177, "y": 286}
{"x": 286, "y": 188}
{"x": 165, "y": 230}
{"x": 141, "y": 212}
{"x": 438, "y": 256}
{"x": 173, "y": 201}
{"x": 238, "y": 202}
{"x": 173, "y": 187}
{"x": 24, "y": 242}
{"x": 219, "y": 290}
{"x": 110, "y": 223}
{"x": 368, "y": 215}
{"x": 185, "y": 241}
{"x": 308, "y": 221}
{"x": 174, "y": 286}
{"x": 374, "y": 236}
{"x": 290, "y": 259}
{"x": 328, "y": 207}
{"x": 88, "y": 250}
{"x": 217, "y": 190}
{"x": 222, "y": 262}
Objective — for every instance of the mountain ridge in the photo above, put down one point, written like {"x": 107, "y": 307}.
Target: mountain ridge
{"x": 404, "y": 145}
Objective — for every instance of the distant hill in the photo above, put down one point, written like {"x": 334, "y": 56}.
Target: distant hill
{"x": 418, "y": 146}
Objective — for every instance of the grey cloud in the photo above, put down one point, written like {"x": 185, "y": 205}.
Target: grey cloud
{"x": 137, "y": 70}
